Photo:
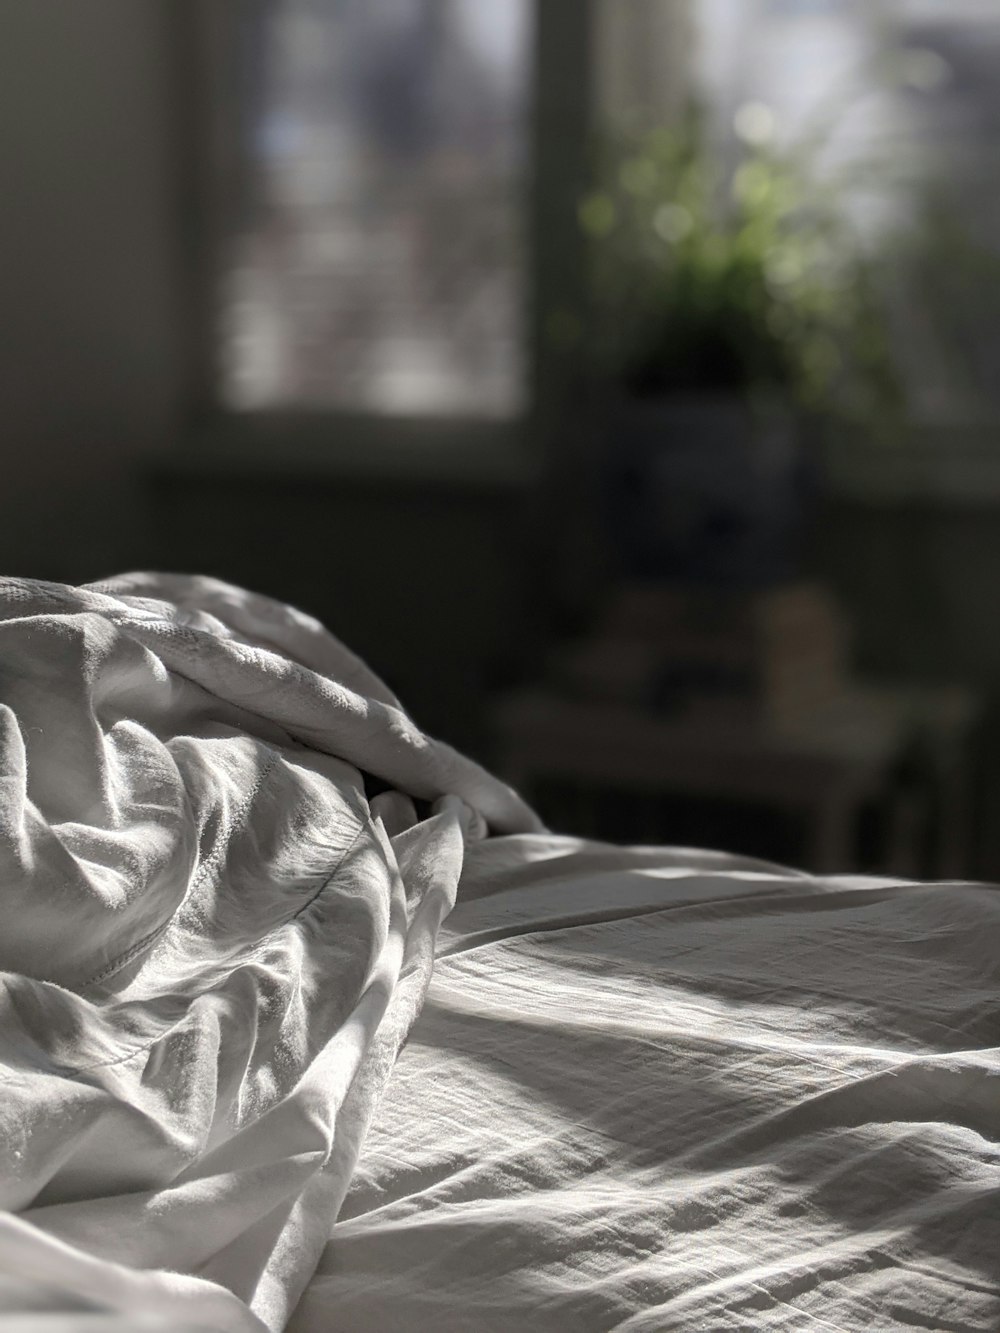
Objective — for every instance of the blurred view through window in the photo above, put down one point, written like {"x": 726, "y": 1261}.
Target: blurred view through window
{"x": 377, "y": 256}
{"x": 897, "y": 103}
{"x": 378, "y": 261}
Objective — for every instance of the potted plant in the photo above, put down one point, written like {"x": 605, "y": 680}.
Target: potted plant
{"x": 734, "y": 311}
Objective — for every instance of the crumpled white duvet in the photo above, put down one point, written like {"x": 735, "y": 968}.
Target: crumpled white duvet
{"x": 212, "y": 942}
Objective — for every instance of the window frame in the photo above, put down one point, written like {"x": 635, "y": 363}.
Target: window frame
{"x": 508, "y": 452}
{"x": 953, "y": 465}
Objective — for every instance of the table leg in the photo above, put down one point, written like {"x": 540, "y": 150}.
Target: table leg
{"x": 831, "y": 835}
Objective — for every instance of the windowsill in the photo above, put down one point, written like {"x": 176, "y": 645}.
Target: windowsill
{"x": 940, "y": 464}
{"x": 476, "y": 455}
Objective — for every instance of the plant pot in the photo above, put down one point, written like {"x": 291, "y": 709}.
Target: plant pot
{"x": 706, "y": 490}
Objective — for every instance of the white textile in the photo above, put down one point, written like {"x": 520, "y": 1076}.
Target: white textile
{"x": 212, "y": 944}
{"x": 663, "y": 1089}
{"x": 645, "y": 1089}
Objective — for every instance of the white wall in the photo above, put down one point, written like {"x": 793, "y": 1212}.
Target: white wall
{"x": 90, "y": 360}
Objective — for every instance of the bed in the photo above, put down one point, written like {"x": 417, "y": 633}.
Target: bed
{"x": 308, "y": 1023}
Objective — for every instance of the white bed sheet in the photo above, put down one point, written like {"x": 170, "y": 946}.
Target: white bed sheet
{"x": 661, "y": 1089}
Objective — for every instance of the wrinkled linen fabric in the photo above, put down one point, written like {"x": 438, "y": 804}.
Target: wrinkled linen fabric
{"x": 644, "y": 1089}
{"x": 663, "y": 1089}
{"x": 213, "y": 944}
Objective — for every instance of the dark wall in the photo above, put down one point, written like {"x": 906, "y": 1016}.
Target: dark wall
{"x": 920, "y": 580}
{"x": 90, "y": 331}
{"x": 430, "y": 583}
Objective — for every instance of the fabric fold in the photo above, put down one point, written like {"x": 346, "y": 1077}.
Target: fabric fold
{"x": 213, "y": 945}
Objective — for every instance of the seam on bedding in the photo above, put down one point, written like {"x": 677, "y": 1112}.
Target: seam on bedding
{"x": 129, "y": 955}
{"x": 365, "y": 826}
{"x": 725, "y": 907}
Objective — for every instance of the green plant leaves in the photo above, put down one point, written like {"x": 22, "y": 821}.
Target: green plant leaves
{"x": 742, "y": 276}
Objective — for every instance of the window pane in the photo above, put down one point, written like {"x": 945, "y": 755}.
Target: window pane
{"x": 378, "y": 257}
{"x": 821, "y": 63}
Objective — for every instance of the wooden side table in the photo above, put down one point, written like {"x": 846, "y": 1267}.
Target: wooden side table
{"x": 823, "y": 771}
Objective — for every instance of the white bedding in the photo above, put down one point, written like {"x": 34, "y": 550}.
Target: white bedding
{"x": 212, "y": 944}
{"x": 659, "y": 1089}
{"x": 646, "y": 1089}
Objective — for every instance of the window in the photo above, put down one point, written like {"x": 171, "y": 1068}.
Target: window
{"x": 395, "y": 184}
{"x": 383, "y": 224}
{"x": 934, "y": 133}
{"x": 377, "y": 259}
